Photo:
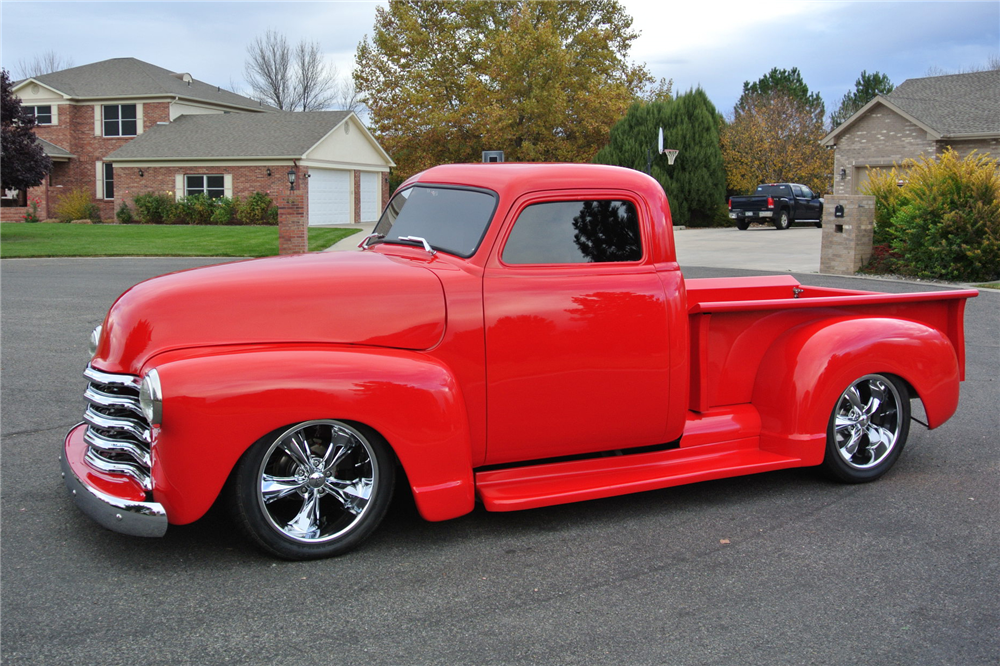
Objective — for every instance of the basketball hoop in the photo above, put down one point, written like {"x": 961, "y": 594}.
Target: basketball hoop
{"x": 671, "y": 154}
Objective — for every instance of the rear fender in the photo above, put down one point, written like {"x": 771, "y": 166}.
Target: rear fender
{"x": 215, "y": 407}
{"x": 806, "y": 369}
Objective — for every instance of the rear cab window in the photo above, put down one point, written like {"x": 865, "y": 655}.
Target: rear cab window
{"x": 773, "y": 190}
{"x": 575, "y": 232}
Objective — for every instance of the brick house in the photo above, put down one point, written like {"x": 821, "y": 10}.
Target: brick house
{"x": 919, "y": 117}
{"x": 122, "y": 127}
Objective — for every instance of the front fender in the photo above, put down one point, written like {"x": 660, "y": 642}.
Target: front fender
{"x": 216, "y": 406}
{"x": 806, "y": 369}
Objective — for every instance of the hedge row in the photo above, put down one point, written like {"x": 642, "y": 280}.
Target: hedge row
{"x": 943, "y": 222}
{"x": 160, "y": 208}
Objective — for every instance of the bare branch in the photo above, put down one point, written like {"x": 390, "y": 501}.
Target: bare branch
{"x": 314, "y": 80}
{"x": 268, "y": 70}
{"x": 44, "y": 63}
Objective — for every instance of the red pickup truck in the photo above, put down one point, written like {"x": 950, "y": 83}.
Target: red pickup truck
{"x": 518, "y": 335}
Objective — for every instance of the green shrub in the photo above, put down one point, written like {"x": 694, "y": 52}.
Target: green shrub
{"x": 226, "y": 210}
{"x": 258, "y": 209}
{"x": 124, "y": 214}
{"x": 196, "y": 209}
{"x": 944, "y": 222}
{"x": 889, "y": 196}
{"x": 77, "y": 204}
{"x": 155, "y": 208}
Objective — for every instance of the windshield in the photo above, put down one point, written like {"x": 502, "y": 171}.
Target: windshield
{"x": 451, "y": 219}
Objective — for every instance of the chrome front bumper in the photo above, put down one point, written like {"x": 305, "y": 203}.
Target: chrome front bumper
{"x": 128, "y": 516}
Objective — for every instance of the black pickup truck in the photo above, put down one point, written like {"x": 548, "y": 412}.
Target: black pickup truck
{"x": 781, "y": 203}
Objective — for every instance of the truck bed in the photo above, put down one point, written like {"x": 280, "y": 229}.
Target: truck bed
{"x": 733, "y": 321}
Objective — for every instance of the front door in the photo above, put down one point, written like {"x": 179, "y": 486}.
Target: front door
{"x": 576, "y": 335}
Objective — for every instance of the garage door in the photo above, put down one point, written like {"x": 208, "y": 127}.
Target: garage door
{"x": 863, "y": 174}
{"x": 369, "y": 197}
{"x": 329, "y": 196}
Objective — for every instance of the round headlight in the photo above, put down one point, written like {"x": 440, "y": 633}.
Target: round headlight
{"x": 151, "y": 398}
{"x": 95, "y": 339}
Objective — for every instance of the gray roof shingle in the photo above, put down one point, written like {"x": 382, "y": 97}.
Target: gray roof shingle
{"x": 52, "y": 150}
{"x": 954, "y": 105}
{"x": 232, "y": 136}
{"x": 126, "y": 77}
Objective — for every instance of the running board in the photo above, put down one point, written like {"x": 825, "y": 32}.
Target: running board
{"x": 547, "y": 484}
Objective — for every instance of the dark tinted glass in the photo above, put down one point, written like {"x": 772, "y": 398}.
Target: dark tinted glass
{"x": 215, "y": 182}
{"x": 452, "y": 220}
{"x": 128, "y": 112}
{"x": 43, "y": 115}
{"x": 193, "y": 185}
{"x": 111, "y": 113}
{"x": 575, "y": 232}
{"x": 773, "y": 190}
{"x": 109, "y": 181}
{"x": 128, "y": 128}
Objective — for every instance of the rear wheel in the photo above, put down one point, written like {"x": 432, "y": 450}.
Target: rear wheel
{"x": 818, "y": 223}
{"x": 316, "y": 489}
{"x": 742, "y": 225}
{"x": 868, "y": 429}
{"x": 782, "y": 222}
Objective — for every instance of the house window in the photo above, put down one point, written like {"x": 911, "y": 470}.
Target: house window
{"x": 212, "y": 186}
{"x": 109, "y": 181}
{"x": 42, "y": 114}
{"x": 120, "y": 120}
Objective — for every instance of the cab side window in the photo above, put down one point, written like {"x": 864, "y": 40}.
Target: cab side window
{"x": 575, "y": 232}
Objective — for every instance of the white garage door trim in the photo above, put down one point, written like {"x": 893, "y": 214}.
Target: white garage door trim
{"x": 369, "y": 196}
{"x": 329, "y": 196}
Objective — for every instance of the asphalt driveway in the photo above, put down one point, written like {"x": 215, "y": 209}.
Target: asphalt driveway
{"x": 778, "y": 568}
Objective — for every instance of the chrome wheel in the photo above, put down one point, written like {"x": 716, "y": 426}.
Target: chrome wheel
{"x": 868, "y": 428}
{"x": 316, "y": 489}
{"x": 317, "y": 480}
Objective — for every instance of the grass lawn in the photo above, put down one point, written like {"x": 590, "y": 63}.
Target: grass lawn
{"x": 133, "y": 240}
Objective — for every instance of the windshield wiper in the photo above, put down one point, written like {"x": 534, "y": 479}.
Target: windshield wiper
{"x": 364, "y": 241}
{"x": 414, "y": 239}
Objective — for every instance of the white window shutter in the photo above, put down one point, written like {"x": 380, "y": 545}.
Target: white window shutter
{"x": 100, "y": 179}
{"x": 138, "y": 118}
{"x": 97, "y": 120}
{"x": 178, "y": 186}
{"x": 228, "y": 184}
{"x": 55, "y": 114}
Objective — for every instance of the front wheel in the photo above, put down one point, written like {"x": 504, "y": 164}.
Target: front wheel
{"x": 867, "y": 429}
{"x": 314, "y": 490}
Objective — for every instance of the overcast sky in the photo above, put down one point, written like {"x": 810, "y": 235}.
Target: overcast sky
{"x": 717, "y": 45}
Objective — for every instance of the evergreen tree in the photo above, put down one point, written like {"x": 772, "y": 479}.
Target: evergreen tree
{"x": 866, "y": 88}
{"x": 781, "y": 82}
{"x": 696, "y": 183}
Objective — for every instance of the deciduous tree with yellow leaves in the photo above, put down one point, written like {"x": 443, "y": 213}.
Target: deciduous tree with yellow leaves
{"x": 542, "y": 81}
{"x": 773, "y": 135}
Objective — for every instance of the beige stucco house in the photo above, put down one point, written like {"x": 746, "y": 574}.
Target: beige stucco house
{"x": 920, "y": 117}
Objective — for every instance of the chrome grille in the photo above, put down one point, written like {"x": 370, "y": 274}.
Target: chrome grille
{"x": 118, "y": 436}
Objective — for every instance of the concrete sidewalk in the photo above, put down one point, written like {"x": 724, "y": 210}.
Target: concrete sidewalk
{"x": 352, "y": 241}
{"x": 758, "y": 248}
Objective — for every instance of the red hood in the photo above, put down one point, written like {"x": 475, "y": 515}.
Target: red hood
{"x": 344, "y": 298}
